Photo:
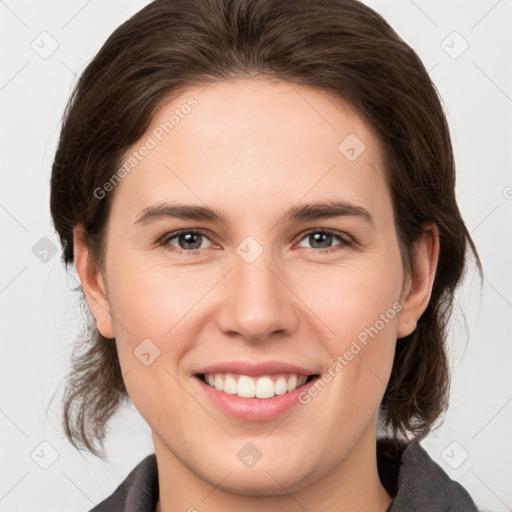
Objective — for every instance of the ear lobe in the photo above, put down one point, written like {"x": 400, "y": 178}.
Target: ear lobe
{"x": 418, "y": 285}
{"x": 92, "y": 283}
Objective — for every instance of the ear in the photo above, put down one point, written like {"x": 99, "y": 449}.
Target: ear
{"x": 419, "y": 281}
{"x": 92, "y": 283}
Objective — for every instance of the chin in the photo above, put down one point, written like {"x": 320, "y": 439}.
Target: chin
{"x": 279, "y": 475}
{"x": 265, "y": 481}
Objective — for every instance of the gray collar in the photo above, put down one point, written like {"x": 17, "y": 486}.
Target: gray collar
{"x": 415, "y": 481}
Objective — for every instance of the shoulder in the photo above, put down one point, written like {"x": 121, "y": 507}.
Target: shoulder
{"x": 417, "y": 482}
{"x": 138, "y": 492}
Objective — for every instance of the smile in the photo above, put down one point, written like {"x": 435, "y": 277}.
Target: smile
{"x": 237, "y": 395}
{"x": 264, "y": 386}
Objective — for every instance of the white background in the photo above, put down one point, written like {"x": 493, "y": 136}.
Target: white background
{"x": 40, "y": 316}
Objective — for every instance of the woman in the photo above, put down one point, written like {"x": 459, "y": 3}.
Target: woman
{"x": 258, "y": 197}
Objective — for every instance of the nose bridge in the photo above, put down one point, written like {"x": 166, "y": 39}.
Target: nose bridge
{"x": 257, "y": 302}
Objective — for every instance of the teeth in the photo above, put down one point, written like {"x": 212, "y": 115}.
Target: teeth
{"x": 245, "y": 387}
{"x": 292, "y": 383}
{"x": 280, "y": 386}
{"x": 230, "y": 385}
{"x": 265, "y": 386}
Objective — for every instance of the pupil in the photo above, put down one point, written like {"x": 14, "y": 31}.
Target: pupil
{"x": 317, "y": 238}
{"x": 188, "y": 241}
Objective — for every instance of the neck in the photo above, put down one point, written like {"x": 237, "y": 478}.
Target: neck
{"x": 352, "y": 485}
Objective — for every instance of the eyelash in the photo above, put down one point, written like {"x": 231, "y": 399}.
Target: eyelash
{"x": 345, "y": 240}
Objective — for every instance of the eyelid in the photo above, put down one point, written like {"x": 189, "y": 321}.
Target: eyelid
{"x": 164, "y": 240}
{"x": 347, "y": 240}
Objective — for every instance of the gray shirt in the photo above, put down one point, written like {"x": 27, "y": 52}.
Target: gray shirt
{"x": 411, "y": 477}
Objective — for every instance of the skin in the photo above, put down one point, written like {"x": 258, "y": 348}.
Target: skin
{"x": 252, "y": 149}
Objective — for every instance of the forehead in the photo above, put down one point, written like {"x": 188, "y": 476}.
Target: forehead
{"x": 245, "y": 140}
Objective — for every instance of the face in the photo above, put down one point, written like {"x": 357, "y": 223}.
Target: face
{"x": 263, "y": 288}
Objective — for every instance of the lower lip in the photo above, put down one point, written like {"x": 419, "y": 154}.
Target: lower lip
{"x": 254, "y": 409}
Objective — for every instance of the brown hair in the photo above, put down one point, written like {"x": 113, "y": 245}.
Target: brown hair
{"x": 340, "y": 46}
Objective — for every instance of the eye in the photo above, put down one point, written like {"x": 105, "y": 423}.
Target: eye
{"x": 191, "y": 241}
{"x": 185, "y": 241}
{"x": 321, "y": 240}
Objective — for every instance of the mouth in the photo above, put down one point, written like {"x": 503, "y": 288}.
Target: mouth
{"x": 255, "y": 391}
{"x": 256, "y": 386}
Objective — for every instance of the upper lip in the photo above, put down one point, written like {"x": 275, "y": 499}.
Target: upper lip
{"x": 247, "y": 368}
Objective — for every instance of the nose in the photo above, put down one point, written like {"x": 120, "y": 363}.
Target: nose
{"x": 258, "y": 303}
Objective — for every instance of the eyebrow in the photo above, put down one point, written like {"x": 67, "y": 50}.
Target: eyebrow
{"x": 298, "y": 213}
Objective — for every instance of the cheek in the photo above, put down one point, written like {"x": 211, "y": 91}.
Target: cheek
{"x": 353, "y": 297}
{"x": 152, "y": 301}
{"x": 360, "y": 306}
{"x": 163, "y": 305}
{"x": 152, "y": 306}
